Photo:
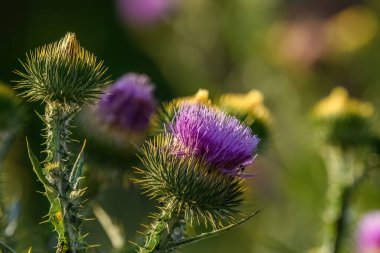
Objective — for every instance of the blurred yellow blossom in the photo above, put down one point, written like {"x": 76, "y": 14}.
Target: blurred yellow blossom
{"x": 250, "y": 104}
{"x": 202, "y": 96}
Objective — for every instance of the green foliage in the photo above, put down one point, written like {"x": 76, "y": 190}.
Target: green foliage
{"x": 198, "y": 192}
{"x": 5, "y": 249}
{"x": 62, "y": 71}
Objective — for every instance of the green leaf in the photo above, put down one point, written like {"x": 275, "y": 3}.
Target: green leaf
{"x": 76, "y": 172}
{"x": 209, "y": 234}
{"x": 37, "y": 168}
{"x": 5, "y": 249}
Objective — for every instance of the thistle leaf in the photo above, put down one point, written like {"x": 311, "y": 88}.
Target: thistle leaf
{"x": 37, "y": 168}
{"x": 76, "y": 171}
{"x": 209, "y": 234}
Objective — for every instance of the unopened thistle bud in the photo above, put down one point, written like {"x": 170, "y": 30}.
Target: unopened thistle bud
{"x": 64, "y": 76}
{"x": 62, "y": 72}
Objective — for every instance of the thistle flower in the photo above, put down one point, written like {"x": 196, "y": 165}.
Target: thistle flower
{"x": 63, "y": 72}
{"x": 368, "y": 234}
{"x": 143, "y": 13}
{"x": 223, "y": 142}
{"x": 195, "y": 171}
{"x": 196, "y": 192}
{"x": 128, "y": 104}
{"x": 339, "y": 103}
{"x": 345, "y": 121}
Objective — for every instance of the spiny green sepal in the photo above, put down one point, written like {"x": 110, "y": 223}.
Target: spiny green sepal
{"x": 62, "y": 71}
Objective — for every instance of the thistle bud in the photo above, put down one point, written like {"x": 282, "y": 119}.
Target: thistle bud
{"x": 62, "y": 72}
{"x": 345, "y": 121}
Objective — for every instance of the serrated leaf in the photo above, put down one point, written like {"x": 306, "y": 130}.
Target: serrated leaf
{"x": 37, "y": 167}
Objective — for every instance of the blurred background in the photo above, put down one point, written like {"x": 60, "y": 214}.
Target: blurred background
{"x": 294, "y": 51}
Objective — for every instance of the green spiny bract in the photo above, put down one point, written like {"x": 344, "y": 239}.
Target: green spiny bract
{"x": 198, "y": 192}
{"x": 62, "y": 71}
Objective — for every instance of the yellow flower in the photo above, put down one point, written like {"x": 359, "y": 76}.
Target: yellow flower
{"x": 250, "y": 104}
{"x": 202, "y": 96}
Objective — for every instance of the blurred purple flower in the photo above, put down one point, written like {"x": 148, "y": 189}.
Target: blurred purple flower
{"x": 221, "y": 140}
{"x": 129, "y": 103}
{"x": 368, "y": 235}
{"x": 143, "y": 12}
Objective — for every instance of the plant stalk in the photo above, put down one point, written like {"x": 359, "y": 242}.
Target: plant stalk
{"x": 64, "y": 211}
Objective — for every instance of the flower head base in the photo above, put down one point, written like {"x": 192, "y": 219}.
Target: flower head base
{"x": 63, "y": 72}
{"x": 128, "y": 104}
{"x": 368, "y": 235}
{"x": 221, "y": 140}
{"x": 198, "y": 193}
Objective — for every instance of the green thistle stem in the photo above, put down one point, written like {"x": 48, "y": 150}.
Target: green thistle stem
{"x": 344, "y": 173}
{"x": 64, "y": 213}
{"x": 158, "y": 237}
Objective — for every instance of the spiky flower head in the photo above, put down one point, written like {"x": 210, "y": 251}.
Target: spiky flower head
{"x": 221, "y": 140}
{"x": 345, "y": 121}
{"x": 128, "y": 104}
{"x": 368, "y": 234}
{"x": 250, "y": 109}
{"x": 197, "y": 192}
{"x": 62, "y": 72}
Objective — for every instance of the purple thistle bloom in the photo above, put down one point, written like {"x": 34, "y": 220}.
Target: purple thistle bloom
{"x": 143, "y": 12}
{"x": 220, "y": 139}
{"x": 368, "y": 235}
{"x": 129, "y": 103}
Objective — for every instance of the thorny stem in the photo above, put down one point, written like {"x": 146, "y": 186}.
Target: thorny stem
{"x": 344, "y": 173}
{"x": 159, "y": 235}
{"x": 57, "y": 119}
